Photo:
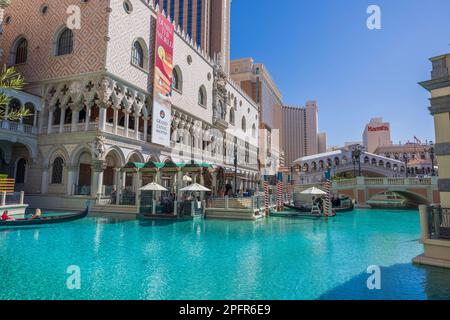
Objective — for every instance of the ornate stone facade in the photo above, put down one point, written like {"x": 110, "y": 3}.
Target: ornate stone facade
{"x": 96, "y": 105}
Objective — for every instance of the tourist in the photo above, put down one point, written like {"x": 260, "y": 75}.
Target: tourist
{"x": 113, "y": 196}
{"x": 6, "y": 217}
{"x": 37, "y": 214}
{"x": 228, "y": 189}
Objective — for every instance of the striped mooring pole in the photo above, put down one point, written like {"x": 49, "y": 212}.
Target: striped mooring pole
{"x": 266, "y": 196}
{"x": 280, "y": 201}
{"x": 289, "y": 189}
{"x": 328, "y": 207}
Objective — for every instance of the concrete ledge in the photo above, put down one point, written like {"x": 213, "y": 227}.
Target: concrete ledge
{"x": 427, "y": 261}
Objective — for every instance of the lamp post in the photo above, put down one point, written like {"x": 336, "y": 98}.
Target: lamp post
{"x": 406, "y": 161}
{"x": 356, "y": 156}
{"x": 431, "y": 151}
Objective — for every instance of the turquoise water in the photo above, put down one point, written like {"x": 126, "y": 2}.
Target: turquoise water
{"x": 277, "y": 258}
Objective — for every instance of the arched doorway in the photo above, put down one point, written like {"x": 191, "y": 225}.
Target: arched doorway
{"x": 110, "y": 173}
{"x": 20, "y": 173}
{"x": 84, "y": 175}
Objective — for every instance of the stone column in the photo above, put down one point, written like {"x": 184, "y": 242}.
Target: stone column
{"x": 136, "y": 127}
{"x": 44, "y": 180}
{"x": 127, "y": 122}
{"x": 202, "y": 182}
{"x": 158, "y": 180}
{"x": 88, "y": 117}
{"x": 117, "y": 177}
{"x": 145, "y": 129}
{"x": 116, "y": 120}
{"x": 35, "y": 118}
{"x": 61, "y": 120}
{"x": 75, "y": 118}
{"x": 40, "y": 121}
{"x": 50, "y": 121}
{"x": 71, "y": 179}
{"x": 102, "y": 116}
{"x": 179, "y": 183}
{"x": 424, "y": 227}
{"x": 214, "y": 183}
{"x": 97, "y": 178}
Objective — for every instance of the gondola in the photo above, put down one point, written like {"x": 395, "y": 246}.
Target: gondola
{"x": 44, "y": 220}
{"x": 308, "y": 210}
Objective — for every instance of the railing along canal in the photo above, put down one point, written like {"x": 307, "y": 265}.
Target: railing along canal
{"x": 439, "y": 222}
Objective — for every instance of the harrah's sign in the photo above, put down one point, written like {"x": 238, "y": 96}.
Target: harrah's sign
{"x": 378, "y": 129}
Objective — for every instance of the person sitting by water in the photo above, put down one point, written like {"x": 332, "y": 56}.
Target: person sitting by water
{"x": 37, "y": 214}
{"x": 6, "y": 217}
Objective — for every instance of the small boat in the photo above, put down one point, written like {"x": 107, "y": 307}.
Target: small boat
{"x": 306, "y": 209}
{"x": 391, "y": 200}
{"x": 44, "y": 220}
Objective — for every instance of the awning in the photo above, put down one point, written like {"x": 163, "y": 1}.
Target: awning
{"x": 134, "y": 165}
{"x": 153, "y": 165}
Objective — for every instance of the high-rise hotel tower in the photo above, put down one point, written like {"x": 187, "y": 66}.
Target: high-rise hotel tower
{"x": 206, "y": 21}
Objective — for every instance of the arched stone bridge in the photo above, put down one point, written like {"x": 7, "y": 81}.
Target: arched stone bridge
{"x": 362, "y": 189}
{"x": 312, "y": 169}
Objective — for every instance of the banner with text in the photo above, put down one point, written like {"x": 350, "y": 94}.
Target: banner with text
{"x": 162, "y": 104}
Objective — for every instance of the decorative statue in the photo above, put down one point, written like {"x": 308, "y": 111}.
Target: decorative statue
{"x": 98, "y": 148}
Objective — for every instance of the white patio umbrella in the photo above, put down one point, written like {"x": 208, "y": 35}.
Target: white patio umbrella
{"x": 314, "y": 192}
{"x": 153, "y": 187}
{"x": 195, "y": 188}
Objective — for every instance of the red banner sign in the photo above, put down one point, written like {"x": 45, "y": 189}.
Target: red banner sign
{"x": 162, "y": 92}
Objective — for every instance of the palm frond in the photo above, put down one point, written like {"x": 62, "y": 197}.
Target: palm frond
{"x": 11, "y": 79}
{"x": 4, "y": 4}
{"x": 15, "y": 115}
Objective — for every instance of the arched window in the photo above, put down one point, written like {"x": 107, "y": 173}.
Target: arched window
{"x": 254, "y": 131}
{"x": 57, "y": 172}
{"x": 177, "y": 79}
{"x": 244, "y": 124}
{"x": 20, "y": 170}
{"x": 21, "y": 53}
{"x": 64, "y": 43}
{"x": 202, "y": 96}
{"x": 14, "y": 107}
{"x": 232, "y": 117}
{"x": 137, "y": 55}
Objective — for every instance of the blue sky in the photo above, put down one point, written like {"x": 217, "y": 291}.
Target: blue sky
{"x": 322, "y": 50}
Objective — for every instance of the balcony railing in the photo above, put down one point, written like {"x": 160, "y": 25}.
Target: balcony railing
{"x": 18, "y": 127}
{"x": 439, "y": 223}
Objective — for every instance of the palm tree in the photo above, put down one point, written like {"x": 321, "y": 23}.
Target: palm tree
{"x": 10, "y": 79}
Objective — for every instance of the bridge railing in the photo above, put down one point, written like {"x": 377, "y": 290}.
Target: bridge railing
{"x": 439, "y": 222}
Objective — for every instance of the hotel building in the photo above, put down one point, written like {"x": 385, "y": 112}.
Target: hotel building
{"x": 376, "y": 134}
{"x": 300, "y": 134}
{"x": 90, "y": 91}
{"x": 206, "y": 22}
{"x": 256, "y": 81}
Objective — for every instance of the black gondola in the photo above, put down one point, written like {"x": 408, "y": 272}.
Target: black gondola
{"x": 44, "y": 220}
{"x": 308, "y": 210}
